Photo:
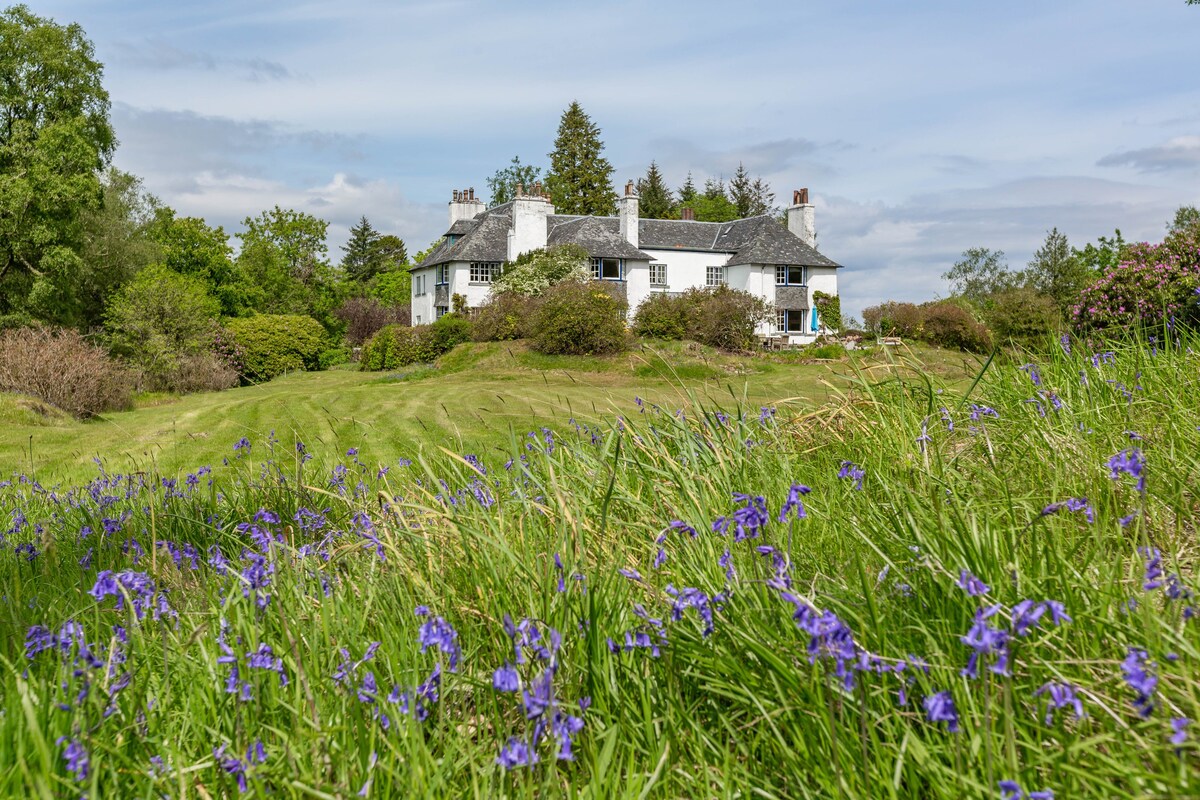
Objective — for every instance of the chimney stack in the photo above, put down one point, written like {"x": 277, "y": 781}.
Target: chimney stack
{"x": 801, "y": 218}
{"x": 628, "y": 213}
{"x": 688, "y": 215}
{"x": 464, "y": 205}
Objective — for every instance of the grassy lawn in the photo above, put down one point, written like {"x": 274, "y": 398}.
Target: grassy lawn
{"x": 474, "y": 400}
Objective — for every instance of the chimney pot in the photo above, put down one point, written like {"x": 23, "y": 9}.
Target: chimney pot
{"x": 689, "y": 215}
{"x": 520, "y": 189}
{"x": 628, "y": 188}
{"x": 804, "y": 196}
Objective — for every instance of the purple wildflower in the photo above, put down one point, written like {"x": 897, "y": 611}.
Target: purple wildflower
{"x": 1179, "y": 727}
{"x": 793, "y": 502}
{"x": 1141, "y": 678}
{"x": 1153, "y": 578}
{"x": 851, "y": 471}
{"x": 940, "y": 708}
{"x": 970, "y": 584}
{"x": 506, "y": 679}
{"x": 516, "y": 754}
{"x": 1058, "y": 697}
{"x": 1129, "y": 462}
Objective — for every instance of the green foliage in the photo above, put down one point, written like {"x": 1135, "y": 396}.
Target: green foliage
{"x": 946, "y": 323}
{"x": 283, "y": 257}
{"x": 750, "y": 198}
{"x": 537, "y": 270}
{"x": 503, "y": 184}
{"x": 687, "y": 193}
{"x": 159, "y": 319}
{"x": 655, "y": 200}
{"x": 400, "y": 345}
{"x": 580, "y": 178}
{"x": 393, "y": 288}
{"x": 369, "y": 253}
{"x": 1057, "y": 272}
{"x": 273, "y": 344}
{"x": 829, "y": 310}
{"x": 1105, "y": 254}
{"x": 1024, "y": 316}
{"x": 723, "y": 317}
{"x": 717, "y": 316}
{"x": 55, "y": 138}
{"x": 661, "y": 316}
{"x": 979, "y": 274}
{"x": 504, "y": 317}
{"x": 189, "y": 246}
{"x": 577, "y": 318}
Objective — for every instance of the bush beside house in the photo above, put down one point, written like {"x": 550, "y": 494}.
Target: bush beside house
{"x": 272, "y": 344}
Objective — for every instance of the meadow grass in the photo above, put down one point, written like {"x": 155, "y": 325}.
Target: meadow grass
{"x": 314, "y": 624}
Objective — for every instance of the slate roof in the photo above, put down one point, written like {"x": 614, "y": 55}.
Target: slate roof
{"x": 600, "y": 236}
{"x": 755, "y": 240}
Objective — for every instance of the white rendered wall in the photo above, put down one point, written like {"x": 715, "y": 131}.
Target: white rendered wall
{"x": 460, "y": 283}
{"x": 821, "y": 279}
{"x": 637, "y": 283}
{"x": 686, "y": 269}
{"x": 422, "y": 304}
{"x": 529, "y": 225}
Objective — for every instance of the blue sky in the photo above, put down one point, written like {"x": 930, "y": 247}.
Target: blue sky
{"x": 921, "y": 128}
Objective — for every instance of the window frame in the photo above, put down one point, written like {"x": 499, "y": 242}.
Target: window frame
{"x": 441, "y": 275}
{"x": 483, "y": 272}
{"x": 418, "y": 285}
{"x": 659, "y": 268}
{"x": 715, "y": 276}
{"x": 783, "y": 275}
{"x": 440, "y": 311}
{"x": 598, "y": 265}
{"x": 784, "y": 317}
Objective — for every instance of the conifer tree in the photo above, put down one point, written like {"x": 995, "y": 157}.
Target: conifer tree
{"x": 739, "y": 191}
{"x": 655, "y": 201}
{"x": 687, "y": 196}
{"x": 361, "y": 261}
{"x": 580, "y": 178}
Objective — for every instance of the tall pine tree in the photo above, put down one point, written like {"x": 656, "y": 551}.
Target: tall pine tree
{"x": 655, "y": 200}
{"x": 580, "y": 178}
{"x": 361, "y": 261}
{"x": 751, "y": 197}
{"x": 687, "y": 192}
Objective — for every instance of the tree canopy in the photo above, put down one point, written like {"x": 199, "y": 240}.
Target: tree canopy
{"x": 55, "y": 140}
{"x": 580, "y": 177}
{"x": 655, "y": 200}
{"x": 503, "y": 184}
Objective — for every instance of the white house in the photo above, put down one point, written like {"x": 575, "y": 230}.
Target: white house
{"x": 758, "y": 255}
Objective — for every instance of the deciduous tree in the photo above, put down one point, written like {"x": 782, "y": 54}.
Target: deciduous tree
{"x": 503, "y": 184}
{"x": 55, "y": 140}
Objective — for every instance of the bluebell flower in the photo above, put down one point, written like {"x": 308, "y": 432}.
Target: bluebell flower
{"x": 985, "y": 640}
{"x": 76, "y": 757}
{"x": 978, "y": 412}
{"x": 971, "y": 585}
{"x": 1140, "y": 676}
{"x": 751, "y": 517}
{"x": 939, "y": 708}
{"x": 682, "y": 527}
{"x": 436, "y": 632}
{"x": 1179, "y": 726}
{"x": 539, "y": 695}
{"x": 1153, "y": 576}
{"x": 793, "y": 502}
{"x": 1058, "y": 697}
{"x": 851, "y": 471}
{"x": 506, "y": 679}
{"x": 1034, "y": 375}
{"x": 1129, "y": 462}
{"x": 632, "y": 574}
{"x": 516, "y": 753}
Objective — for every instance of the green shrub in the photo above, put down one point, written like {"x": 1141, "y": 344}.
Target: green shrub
{"x": 661, "y": 316}
{"x": 161, "y": 322}
{"x": 947, "y": 324}
{"x": 1024, "y": 316}
{"x": 333, "y": 356}
{"x": 723, "y": 317}
{"x": 502, "y": 318}
{"x": 399, "y": 345}
{"x": 578, "y": 319}
{"x": 533, "y": 272}
{"x": 273, "y": 344}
